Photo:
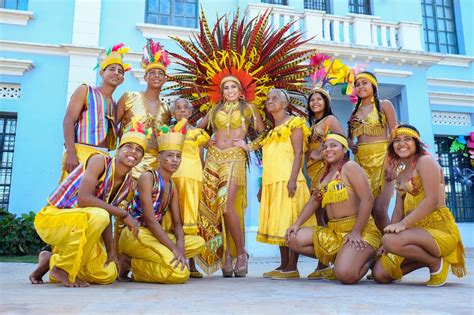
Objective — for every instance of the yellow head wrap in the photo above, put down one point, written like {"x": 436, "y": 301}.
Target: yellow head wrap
{"x": 405, "y": 131}
{"x": 339, "y": 139}
{"x": 368, "y": 77}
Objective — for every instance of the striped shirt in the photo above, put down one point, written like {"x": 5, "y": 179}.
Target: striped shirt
{"x": 96, "y": 120}
{"x": 65, "y": 196}
{"x": 160, "y": 206}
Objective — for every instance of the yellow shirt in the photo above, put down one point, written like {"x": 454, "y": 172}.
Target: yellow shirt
{"x": 278, "y": 154}
{"x": 191, "y": 166}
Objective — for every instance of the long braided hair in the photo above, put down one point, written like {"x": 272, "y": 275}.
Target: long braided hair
{"x": 359, "y": 101}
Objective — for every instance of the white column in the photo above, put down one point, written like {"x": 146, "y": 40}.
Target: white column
{"x": 409, "y": 35}
{"x": 393, "y": 41}
{"x": 335, "y": 28}
{"x": 361, "y": 29}
{"x": 347, "y": 38}
{"x": 314, "y": 23}
{"x": 383, "y": 32}
{"x": 86, "y": 30}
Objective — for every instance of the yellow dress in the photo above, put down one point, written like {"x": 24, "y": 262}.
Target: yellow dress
{"x": 136, "y": 108}
{"x": 278, "y": 211}
{"x": 328, "y": 240}
{"x": 372, "y": 156}
{"x": 188, "y": 181}
{"x": 440, "y": 224}
{"x": 222, "y": 167}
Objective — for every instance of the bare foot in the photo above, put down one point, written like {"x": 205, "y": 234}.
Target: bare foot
{"x": 124, "y": 263}
{"x": 62, "y": 276}
{"x": 80, "y": 283}
{"x": 36, "y": 277}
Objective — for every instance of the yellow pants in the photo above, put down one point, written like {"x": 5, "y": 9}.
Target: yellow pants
{"x": 76, "y": 237}
{"x": 151, "y": 259}
{"x": 83, "y": 151}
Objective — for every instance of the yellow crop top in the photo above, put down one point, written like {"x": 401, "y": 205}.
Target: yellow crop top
{"x": 333, "y": 192}
{"x": 370, "y": 125}
{"x": 229, "y": 117}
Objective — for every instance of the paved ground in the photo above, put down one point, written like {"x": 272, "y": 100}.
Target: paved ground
{"x": 252, "y": 295}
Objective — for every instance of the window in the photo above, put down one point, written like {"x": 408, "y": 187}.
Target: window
{"x": 7, "y": 146}
{"x": 14, "y": 4}
{"x": 280, "y": 2}
{"x": 439, "y": 26}
{"x": 172, "y": 12}
{"x": 458, "y": 195}
{"x": 360, "y": 7}
{"x": 320, "y": 5}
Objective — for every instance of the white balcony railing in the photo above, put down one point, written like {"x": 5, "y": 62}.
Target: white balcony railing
{"x": 351, "y": 29}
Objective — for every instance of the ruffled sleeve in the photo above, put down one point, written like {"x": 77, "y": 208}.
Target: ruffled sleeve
{"x": 197, "y": 136}
{"x": 283, "y": 132}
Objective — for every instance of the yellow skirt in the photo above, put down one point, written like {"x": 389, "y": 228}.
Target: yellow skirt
{"x": 76, "y": 237}
{"x": 371, "y": 157}
{"x": 278, "y": 211}
{"x": 83, "y": 151}
{"x": 151, "y": 259}
{"x": 189, "y": 194}
{"x": 314, "y": 171}
{"x": 441, "y": 226}
{"x": 222, "y": 167}
{"x": 328, "y": 240}
{"x": 148, "y": 163}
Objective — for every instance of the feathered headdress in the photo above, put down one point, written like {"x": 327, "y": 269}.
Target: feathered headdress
{"x": 348, "y": 88}
{"x": 172, "y": 138}
{"x": 114, "y": 55}
{"x": 260, "y": 57}
{"x": 136, "y": 133}
{"x": 154, "y": 56}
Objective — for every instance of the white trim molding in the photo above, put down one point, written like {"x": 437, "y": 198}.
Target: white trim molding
{"x": 16, "y": 67}
{"x": 452, "y": 99}
{"x": 165, "y": 31}
{"x": 393, "y": 73}
{"x": 452, "y": 83}
{"x": 15, "y": 17}
{"x": 138, "y": 74}
{"x": 456, "y": 60}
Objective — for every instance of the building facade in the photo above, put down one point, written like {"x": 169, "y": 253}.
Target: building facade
{"x": 420, "y": 51}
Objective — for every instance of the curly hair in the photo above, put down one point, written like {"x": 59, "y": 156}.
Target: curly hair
{"x": 419, "y": 145}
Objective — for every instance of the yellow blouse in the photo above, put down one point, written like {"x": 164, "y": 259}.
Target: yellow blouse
{"x": 191, "y": 166}
{"x": 334, "y": 191}
{"x": 370, "y": 125}
{"x": 230, "y": 117}
{"x": 278, "y": 154}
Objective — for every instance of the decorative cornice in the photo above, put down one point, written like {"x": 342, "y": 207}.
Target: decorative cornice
{"x": 15, "y": 17}
{"x": 452, "y": 83}
{"x": 164, "y": 31}
{"x": 15, "y": 67}
{"x": 393, "y": 73}
{"x": 451, "y": 99}
{"x": 138, "y": 74}
{"x": 456, "y": 60}
{"x": 82, "y": 50}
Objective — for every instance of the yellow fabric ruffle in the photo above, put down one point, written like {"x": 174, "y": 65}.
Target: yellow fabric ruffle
{"x": 371, "y": 157}
{"x": 334, "y": 194}
{"x": 391, "y": 263}
{"x": 328, "y": 240}
{"x": 278, "y": 211}
{"x": 315, "y": 170}
{"x": 83, "y": 152}
{"x": 283, "y": 132}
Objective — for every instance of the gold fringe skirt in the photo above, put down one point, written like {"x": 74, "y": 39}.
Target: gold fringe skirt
{"x": 222, "y": 168}
{"x": 371, "y": 157}
{"x": 314, "y": 170}
{"x": 328, "y": 240}
{"x": 441, "y": 226}
{"x": 278, "y": 211}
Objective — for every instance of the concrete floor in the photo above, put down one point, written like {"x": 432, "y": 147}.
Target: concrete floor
{"x": 251, "y": 295}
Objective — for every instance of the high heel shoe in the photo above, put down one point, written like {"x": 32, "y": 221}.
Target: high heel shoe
{"x": 227, "y": 270}
{"x": 242, "y": 270}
